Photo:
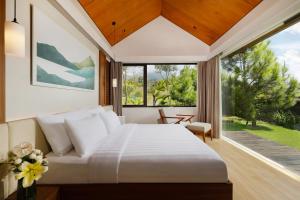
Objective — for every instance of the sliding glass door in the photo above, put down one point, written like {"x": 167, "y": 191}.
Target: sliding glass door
{"x": 261, "y": 97}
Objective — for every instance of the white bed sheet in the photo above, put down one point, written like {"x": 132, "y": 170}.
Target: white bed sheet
{"x": 142, "y": 153}
{"x": 69, "y": 168}
{"x": 169, "y": 153}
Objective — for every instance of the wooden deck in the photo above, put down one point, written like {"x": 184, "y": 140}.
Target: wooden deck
{"x": 253, "y": 179}
{"x": 284, "y": 155}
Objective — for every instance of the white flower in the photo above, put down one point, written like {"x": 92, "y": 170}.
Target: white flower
{"x": 32, "y": 156}
{"x": 18, "y": 161}
{"x": 37, "y": 151}
{"x": 22, "y": 149}
{"x": 39, "y": 158}
{"x": 45, "y": 161}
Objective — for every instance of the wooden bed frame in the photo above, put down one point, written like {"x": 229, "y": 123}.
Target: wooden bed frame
{"x": 146, "y": 191}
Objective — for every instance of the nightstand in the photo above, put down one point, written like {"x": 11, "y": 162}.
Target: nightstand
{"x": 43, "y": 193}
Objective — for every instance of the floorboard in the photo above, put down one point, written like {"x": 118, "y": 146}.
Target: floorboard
{"x": 253, "y": 179}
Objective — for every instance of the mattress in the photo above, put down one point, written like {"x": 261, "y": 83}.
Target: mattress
{"x": 141, "y": 154}
{"x": 69, "y": 168}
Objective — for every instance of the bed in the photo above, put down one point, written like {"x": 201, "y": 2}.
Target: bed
{"x": 138, "y": 161}
{"x": 151, "y": 155}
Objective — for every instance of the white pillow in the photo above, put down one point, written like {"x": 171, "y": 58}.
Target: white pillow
{"x": 55, "y": 132}
{"x": 111, "y": 120}
{"x": 86, "y": 133}
{"x": 96, "y": 110}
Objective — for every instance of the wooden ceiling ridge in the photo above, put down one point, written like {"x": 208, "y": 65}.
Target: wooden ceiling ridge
{"x": 206, "y": 20}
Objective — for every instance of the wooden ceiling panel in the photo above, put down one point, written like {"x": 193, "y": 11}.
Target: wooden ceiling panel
{"x": 129, "y": 15}
{"x": 207, "y": 20}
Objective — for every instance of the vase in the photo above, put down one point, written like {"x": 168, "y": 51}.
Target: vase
{"x": 28, "y": 193}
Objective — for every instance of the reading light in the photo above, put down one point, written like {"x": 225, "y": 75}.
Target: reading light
{"x": 115, "y": 83}
{"x": 14, "y": 37}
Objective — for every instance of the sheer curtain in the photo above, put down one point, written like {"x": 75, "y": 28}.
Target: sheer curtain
{"x": 116, "y": 92}
{"x": 209, "y": 94}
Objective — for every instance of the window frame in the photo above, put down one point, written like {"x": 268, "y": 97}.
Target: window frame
{"x": 284, "y": 25}
{"x": 146, "y": 84}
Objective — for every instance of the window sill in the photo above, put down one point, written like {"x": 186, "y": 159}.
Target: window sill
{"x": 136, "y": 106}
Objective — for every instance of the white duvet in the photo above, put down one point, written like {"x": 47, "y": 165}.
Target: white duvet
{"x": 141, "y": 154}
{"x": 155, "y": 153}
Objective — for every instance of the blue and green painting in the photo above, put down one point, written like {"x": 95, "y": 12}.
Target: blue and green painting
{"x": 54, "y": 69}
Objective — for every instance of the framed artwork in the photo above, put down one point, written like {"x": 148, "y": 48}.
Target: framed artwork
{"x": 58, "y": 58}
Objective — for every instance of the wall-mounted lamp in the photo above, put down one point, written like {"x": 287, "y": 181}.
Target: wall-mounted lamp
{"x": 115, "y": 82}
{"x": 14, "y": 37}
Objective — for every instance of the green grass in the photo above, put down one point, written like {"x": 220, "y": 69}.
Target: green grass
{"x": 265, "y": 130}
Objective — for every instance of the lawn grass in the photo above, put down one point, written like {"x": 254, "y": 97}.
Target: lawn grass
{"x": 265, "y": 130}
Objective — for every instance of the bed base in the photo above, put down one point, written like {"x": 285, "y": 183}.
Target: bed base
{"x": 146, "y": 191}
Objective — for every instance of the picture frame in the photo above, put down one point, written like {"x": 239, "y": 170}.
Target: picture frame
{"x": 58, "y": 59}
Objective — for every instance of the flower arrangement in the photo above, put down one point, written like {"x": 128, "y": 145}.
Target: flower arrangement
{"x": 28, "y": 165}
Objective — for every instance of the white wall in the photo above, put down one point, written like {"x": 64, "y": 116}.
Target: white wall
{"x": 24, "y": 100}
{"x": 160, "y": 41}
{"x": 77, "y": 12}
{"x": 149, "y": 115}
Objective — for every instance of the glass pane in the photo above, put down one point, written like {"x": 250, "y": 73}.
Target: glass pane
{"x": 171, "y": 85}
{"x": 133, "y": 84}
{"x": 260, "y": 97}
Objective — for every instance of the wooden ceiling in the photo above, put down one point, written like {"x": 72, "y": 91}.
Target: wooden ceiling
{"x": 207, "y": 20}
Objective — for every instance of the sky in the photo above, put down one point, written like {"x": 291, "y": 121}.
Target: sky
{"x": 286, "y": 46}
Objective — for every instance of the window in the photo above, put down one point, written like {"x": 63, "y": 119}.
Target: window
{"x": 133, "y": 85}
{"x": 159, "y": 85}
{"x": 261, "y": 97}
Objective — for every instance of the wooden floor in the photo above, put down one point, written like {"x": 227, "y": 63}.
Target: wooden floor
{"x": 253, "y": 179}
{"x": 282, "y": 154}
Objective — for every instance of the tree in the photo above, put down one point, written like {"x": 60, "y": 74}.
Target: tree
{"x": 227, "y": 82}
{"x": 134, "y": 94}
{"x": 132, "y": 87}
{"x": 258, "y": 83}
{"x": 174, "y": 89}
{"x": 183, "y": 89}
{"x": 156, "y": 90}
{"x": 166, "y": 71}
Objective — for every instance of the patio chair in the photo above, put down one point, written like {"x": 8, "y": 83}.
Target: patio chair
{"x": 198, "y": 128}
{"x": 164, "y": 118}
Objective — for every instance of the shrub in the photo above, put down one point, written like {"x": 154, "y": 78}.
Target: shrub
{"x": 284, "y": 118}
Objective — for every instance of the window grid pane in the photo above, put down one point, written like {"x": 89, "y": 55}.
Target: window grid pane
{"x": 171, "y": 85}
{"x": 165, "y": 85}
{"x": 133, "y": 85}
